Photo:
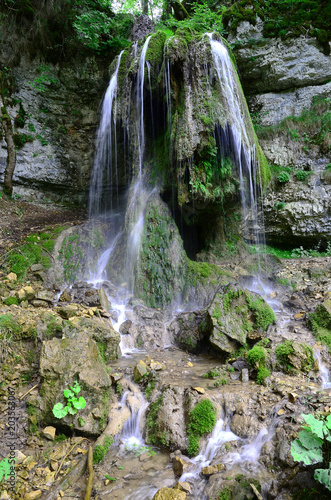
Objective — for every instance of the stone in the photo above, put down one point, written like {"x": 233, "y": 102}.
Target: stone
{"x": 11, "y": 277}
{"x": 143, "y": 26}
{"x": 49, "y": 432}
{"x": 29, "y": 292}
{"x": 104, "y": 299}
{"x": 20, "y": 457}
{"x": 199, "y": 390}
{"x": 212, "y": 469}
{"x": 39, "y": 303}
{"x": 155, "y": 365}
{"x": 190, "y": 330}
{"x": 125, "y": 327}
{"x": 235, "y": 312}
{"x": 37, "y": 267}
{"x": 169, "y": 494}
{"x": 20, "y": 295}
{"x": 62, "y": 361}
{"x": 244, "y": 375}
{"x": 68, "y": 311}
{"x": 140, "y": 371}
{"x": 179, "y": 465}
{"x": 46, "y": 295}
{"x": 65, "y": 296}
{"x": 5, "y": 496}
{"x": 183, "y": 486}
{"x": 33, "y": 495}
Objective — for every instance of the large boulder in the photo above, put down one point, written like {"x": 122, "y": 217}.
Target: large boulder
{"x": 191, "y": 330}
{"x": 64, "y": 361}
{"x": 236, "y": 313}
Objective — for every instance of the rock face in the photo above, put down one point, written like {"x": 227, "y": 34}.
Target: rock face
{"x": 62, "y": 362}
{"x": 56, "y": 156}
{"x": 299, "y": 212}
{"x": 268, "y": 65}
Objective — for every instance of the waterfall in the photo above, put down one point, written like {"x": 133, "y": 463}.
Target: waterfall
{"x": 106, "y": 151}
{"x": 236, "y": 135}
{"x": 323, "y": 369}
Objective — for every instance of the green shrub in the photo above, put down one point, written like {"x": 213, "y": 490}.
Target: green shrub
{"x": 257, "y": 356}
{"x": 302, "y": 175}
{"x": 202, "y": 419}
{"x": 283, "y": 351}
{"x": 100, "y": 451}
{"x": 9, "y": 301}
{"x": 262, "y": 374}
{"x": 283, "y": 177}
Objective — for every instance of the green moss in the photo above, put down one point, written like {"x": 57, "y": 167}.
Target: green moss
{"x": 9, "y": 301}
{"x": 9, "y": 326}
{"x": 202, "y": 272}
{"x": 263, "y": 314}
{"x": 152, "y": 425}
{"x": 257, "y": 356}
{"x": 283, "y": 351}
{"x": 100, "y": 451}
{"x": 202, "y": 419}
{"x": 154, "y": 54}
{"x": 225, "y": 494}
{"x": 102, "y": 347}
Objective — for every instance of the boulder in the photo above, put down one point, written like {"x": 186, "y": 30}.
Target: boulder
{"x": 169, "y": 494}
{"x": 62, "y": 362}
{"x": 191, "y": 330}
{"x": 235, "y": 312}
{"x": 180, "y": 465}
{"x": 140, "y": 371}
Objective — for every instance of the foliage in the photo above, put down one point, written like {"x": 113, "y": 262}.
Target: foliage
{"x": 44, "y": 80}
{"x": 283, "y": 177}
{"x": 320, "y": 323}
{"x": 257, "y": 358}
{"x": 202, "y": 19}
{"x": 302, "y": 175}
{"x": 100, "y": 451}
{"x": 283, "y": 351}
{"x": 313, "y": 446}
{"x": 283, "y": 18}
{"x": 73, "y": 402}
{"x": 6, "y": 467}
{"x": 202, "y": 419}
{"x": 152, "y": 425}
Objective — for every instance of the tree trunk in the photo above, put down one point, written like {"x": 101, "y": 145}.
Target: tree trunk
{"x": 11, "y": 151}
{"x": 144, "y": 6}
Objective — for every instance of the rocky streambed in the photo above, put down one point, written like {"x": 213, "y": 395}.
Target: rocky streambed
{"x": 139, "y": 405}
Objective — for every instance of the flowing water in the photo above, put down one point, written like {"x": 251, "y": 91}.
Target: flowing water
{"x": 246, "y": 456}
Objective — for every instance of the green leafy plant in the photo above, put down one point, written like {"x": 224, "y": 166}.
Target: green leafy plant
{"x": 283, "y": 177}
{"x": 101, "y": 450}
{"x": 73, "y": 402}
{"x": 257, "y": 358}
{"x": 107, "y": 476}
{"x": 6, "y": 467}
{"x": 45, "y": 79}
{"x": 313, "y": 446}
{"x": 301, "y": 175}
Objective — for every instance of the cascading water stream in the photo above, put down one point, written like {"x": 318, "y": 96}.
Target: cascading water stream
{"x": 324, "y": 371}
{"x": 105, "y": 150}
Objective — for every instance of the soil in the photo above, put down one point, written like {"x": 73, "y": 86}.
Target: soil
{"x": 20, "y": 218}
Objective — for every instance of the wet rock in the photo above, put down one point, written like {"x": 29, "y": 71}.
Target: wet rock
{"x": 169, "y": 494}
{"x": 191, "y": 330}
{"x": 45, "y": 295}
{"x": 65, "y": 296}
{"x": 62, "y": 361}
{"x": 67, "y": 312}
{"x": 183, "y": 486}
{"x": 39, "y": 303}
{"x": 125, "y": 327}
{"x": 180, "y": 465}
{"x": 155, "y": 365}
{"x": 244, "y": 375}
{"x": 244, "y": 426}
{"x": 140, "y": 371}
{"x": 212, "y": 469}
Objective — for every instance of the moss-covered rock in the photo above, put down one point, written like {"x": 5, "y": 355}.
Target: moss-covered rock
{"x": 295, "y": 356}
{"x": 235, "y": 313}
{"x": 190, "y": 331}
{"x": 64, "y": 361}
{"x": 320, "y": 323}
{"x": 162, "y": 260}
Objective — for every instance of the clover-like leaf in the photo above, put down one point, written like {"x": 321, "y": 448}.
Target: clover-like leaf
{"x": 75, "y": 388}
{"x": 309, "y": 440}
{"x": 5, "y": 468}
{"x": 301, "y": 454}
{"x": 79, "y": 403}
{"x": 71, "y": 410}
{"x": 68, "y": 393}
{"x": 59, "y": 411}
{"x": 316, "y": 426}
{"x": 324, "y": 477}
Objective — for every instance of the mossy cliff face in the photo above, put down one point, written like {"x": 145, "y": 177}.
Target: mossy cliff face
{"x": 188, "y": 125}
{"x": 161, "y": 267}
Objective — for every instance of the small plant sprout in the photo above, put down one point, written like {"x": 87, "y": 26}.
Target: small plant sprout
{"x": 73, "y": 402}
{"x": 6, "y": 467}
